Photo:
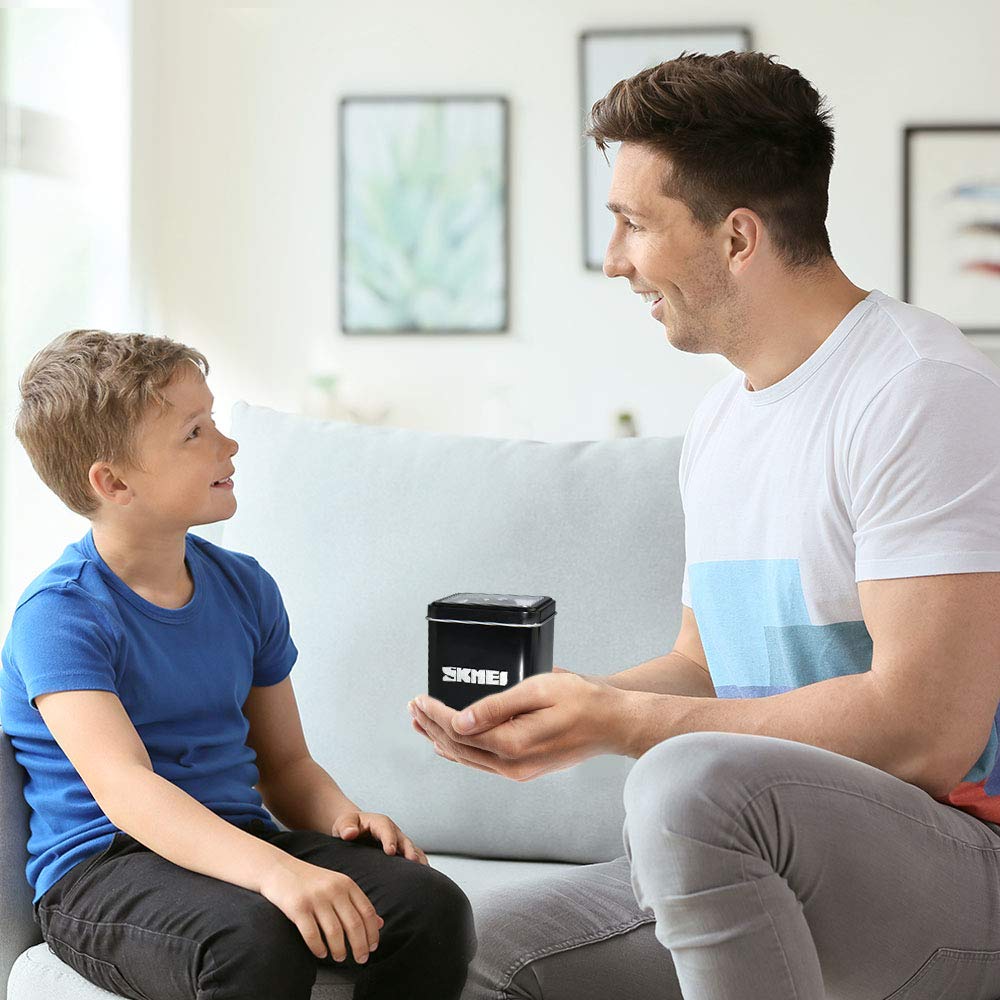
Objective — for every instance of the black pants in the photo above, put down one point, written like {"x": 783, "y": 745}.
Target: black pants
{"x": 138, "y": 925}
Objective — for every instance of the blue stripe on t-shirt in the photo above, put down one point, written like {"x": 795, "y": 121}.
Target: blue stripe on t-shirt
{"x": 756, "y": 632}
{"x": 759, "y": 641}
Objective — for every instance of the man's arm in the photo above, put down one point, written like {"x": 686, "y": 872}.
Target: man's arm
{"x": 295, "y": 789}
{"x": 684, "y": 670}
{"x": 97, "y": 736}
{"x": 924, "y": 711}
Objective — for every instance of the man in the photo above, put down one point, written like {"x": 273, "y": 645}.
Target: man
{"x": 814, "y": 810}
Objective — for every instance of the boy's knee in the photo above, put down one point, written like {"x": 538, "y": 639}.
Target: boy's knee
{"x": 261, "y": 957}
{"x": 441, "y": 927}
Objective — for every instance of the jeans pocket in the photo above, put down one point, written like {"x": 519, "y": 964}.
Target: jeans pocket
{"x": 107, "y": 975}
{"x": 77, "y": 878}
{"x": 952, "y": 973}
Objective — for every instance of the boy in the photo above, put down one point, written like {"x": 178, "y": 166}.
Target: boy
{"x": 145, "y": 689}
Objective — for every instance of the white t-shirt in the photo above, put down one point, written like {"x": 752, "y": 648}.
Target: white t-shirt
{"x": 878, "y": 457}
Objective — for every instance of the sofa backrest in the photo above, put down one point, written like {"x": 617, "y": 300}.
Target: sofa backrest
{"x": 363, "y": 526}
{"x": 18, "y": 931}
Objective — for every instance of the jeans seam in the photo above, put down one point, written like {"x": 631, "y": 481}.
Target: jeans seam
{"x": 777, "y": 936}
{"x": 867, "y": 798}
{"x": 566, "y": 945}
{"x": 120, "y": 923}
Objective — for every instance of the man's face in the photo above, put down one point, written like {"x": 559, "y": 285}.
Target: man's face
{"x": 183, "y": 456}
{"x": 665, "y": 256}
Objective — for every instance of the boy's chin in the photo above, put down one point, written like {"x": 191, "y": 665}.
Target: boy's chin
{"x": 217, "y": 518}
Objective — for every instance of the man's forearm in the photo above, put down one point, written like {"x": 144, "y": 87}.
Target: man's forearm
{"x": 847, "y": 715}
{"x": 305, "y": 797}
{"x": 672, "y": 673}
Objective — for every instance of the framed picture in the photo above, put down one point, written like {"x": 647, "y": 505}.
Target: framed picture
{"x": 424, "y": 241}
{"x": 951, "y": 223}
{"x": 607, "y": 56}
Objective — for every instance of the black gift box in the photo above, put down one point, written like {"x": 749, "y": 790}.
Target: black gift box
{"x": 479, "y": 644}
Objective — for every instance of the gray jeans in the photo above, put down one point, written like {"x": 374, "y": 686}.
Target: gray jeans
{"x": 758, "y": 868}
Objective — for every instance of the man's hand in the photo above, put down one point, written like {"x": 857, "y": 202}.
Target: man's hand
{"x": 548, "y": 722}
{"x": 352, "y": 824}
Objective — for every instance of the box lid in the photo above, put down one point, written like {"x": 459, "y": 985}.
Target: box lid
{"x": 493, "y": 609}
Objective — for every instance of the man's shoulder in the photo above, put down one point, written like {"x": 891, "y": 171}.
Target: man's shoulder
{"x": 913, "y": 350}
{"x": 718, "y": 395}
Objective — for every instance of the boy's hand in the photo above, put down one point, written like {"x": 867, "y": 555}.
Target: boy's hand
{"x": 326, "y": 906}
{"x": 350, "y": 825}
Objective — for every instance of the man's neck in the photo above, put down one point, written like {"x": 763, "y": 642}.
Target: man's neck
{"x": 792, "y": 321}
{"x": 151, "y": 565}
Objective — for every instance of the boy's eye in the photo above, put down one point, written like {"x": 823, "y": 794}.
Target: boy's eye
{"x": 195, "y": 432}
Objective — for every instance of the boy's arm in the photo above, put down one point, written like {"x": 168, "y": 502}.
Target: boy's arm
{"x": 295, "y": 789}
{"x": 96, "y": 734}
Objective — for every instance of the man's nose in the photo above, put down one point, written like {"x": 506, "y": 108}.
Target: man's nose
{"x": 614, "y": 265}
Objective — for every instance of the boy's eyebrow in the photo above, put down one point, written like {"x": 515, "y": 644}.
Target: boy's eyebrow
{"x": 619, "y": 209}
{"x": 197, "y": 413}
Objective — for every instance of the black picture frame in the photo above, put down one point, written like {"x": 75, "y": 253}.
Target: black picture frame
{"x": 989, "y": 325}
{"x": 343, "y": 107}
{"x": 588, "y": 37}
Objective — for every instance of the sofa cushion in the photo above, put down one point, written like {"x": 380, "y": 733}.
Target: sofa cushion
{"x": 363, "y": 526}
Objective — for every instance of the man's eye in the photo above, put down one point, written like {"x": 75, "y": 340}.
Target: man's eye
{"x": 630, "y": 225}
{"x": 194, "y": 433}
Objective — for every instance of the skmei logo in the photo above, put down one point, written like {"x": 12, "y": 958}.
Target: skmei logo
{"x": 466, "y": 675}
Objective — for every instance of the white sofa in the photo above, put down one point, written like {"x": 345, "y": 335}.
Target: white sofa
{"x": 362, "y": 527}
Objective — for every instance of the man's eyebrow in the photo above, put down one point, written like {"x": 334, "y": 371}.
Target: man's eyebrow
{"x": 618, "y": 209}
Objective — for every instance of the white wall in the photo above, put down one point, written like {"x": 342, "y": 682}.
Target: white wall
{"x": 238, "y": 171}
{"x": 230, "y": 221}
{"x": 64, "y": 220}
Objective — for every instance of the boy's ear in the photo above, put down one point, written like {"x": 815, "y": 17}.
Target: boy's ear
{"x": 107, "y": 485}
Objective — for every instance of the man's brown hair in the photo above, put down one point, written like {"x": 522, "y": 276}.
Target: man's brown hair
{"x": 83, "y": 398}
{"x": 739, "y": 131}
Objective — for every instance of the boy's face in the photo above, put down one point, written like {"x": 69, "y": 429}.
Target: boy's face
{"x": 186, "y": 461}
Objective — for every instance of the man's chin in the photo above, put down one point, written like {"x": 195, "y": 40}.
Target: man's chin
{"x": 677, "y": 340}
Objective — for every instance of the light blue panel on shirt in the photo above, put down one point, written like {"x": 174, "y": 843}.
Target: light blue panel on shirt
{"x": 756, "y": 631}
{"x": 985, "y": 767}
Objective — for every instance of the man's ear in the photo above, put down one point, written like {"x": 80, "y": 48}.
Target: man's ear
{"x": 745, "y": 228}
{"x": 107, "y": 484}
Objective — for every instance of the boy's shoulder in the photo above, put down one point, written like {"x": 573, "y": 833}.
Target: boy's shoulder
{"x": 73, "y": 570}
{"x": 79, "y": 573}
{"x": 239, "y": 566}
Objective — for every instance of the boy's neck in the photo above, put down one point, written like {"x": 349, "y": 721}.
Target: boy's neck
{"x": 152, "y": 565}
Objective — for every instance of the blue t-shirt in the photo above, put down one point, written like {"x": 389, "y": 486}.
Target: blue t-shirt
{"x": 181, "y": 674}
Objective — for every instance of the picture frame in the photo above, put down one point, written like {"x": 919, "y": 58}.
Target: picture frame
{"x": 951, "y": 223}
{"x": 424, "y": 212}
{"x": 607, "y": 55}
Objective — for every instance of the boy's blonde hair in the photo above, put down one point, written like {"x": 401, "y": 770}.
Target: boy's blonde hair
{"x": 83, "y": 398}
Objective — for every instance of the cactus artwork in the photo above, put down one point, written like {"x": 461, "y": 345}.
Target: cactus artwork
{"x": 423, "y": 215}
